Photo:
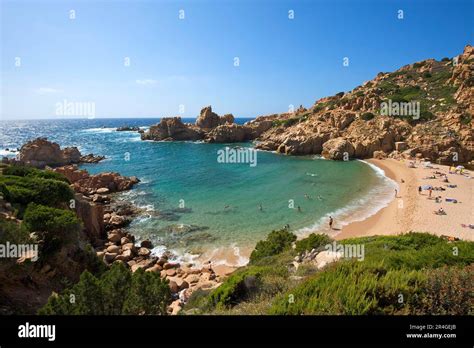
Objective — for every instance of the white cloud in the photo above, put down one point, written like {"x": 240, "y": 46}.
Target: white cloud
{"x": 47, "y": 90}
{"x": 146, "y": 82}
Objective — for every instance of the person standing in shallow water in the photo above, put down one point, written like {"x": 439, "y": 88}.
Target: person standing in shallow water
{"x": 330, "y": 222}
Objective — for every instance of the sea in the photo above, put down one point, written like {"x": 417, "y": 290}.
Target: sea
{"x": 195, "y": 205}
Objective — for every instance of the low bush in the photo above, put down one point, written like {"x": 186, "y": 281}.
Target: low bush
{"x": 116, "y": 292}
{"x": 313, "y": 241}
{"x": 448, "y": 291}
{"x": 276, "y": 243}
{"x": 40, "y": 218}
{"x": 24, "y": 190}
{"x": 352, "y": 288}
{"x": 367, "y": 116}
{"x": 235, "y": 288}
{"x": 13, "y": 233}
{"x": 31, "y": 172}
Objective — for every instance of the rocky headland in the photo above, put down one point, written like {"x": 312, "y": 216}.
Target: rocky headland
{"x": 40, "y": 153}
{"x": 104, "y": 220}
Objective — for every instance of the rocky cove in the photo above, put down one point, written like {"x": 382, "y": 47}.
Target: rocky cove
{"x": 354, "y": 124}
{"x": 104, "y": 219}
{"x": 341, "y": 127}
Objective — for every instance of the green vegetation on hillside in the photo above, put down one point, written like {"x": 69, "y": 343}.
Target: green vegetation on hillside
{"x": 116, "y": 292}
{"x": 23, "y": 190}
{"x": 33, "y": 173}
{"x": 276, "y": 242}
{"x": 415, "y": 273}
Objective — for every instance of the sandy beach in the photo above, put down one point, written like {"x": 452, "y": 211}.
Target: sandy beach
{"x": 414, "y": 211}
{"x": 409, "y": 211}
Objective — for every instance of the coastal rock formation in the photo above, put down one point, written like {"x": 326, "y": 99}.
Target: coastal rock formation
{"x": 90, "y": 158}
{"x": 230, "y": 133}
{"x": 208, "y": 119}
{"x": 172, "y": 128}
{"x": 92, "y": 216}
{"x": 88, "y": 184}
{"x": 338, "y": 149}
{"x": 41, "y": 152}
{"x": 209, "y": 127}
{"x": 371, "y": 119}
{"x": 128, "y": 129}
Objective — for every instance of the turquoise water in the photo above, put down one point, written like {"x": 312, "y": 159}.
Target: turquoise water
{"x": 194, "y": 204}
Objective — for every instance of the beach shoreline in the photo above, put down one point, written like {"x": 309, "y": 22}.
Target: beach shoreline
{"x": 408, "y": 211}
{"x": 413, "y": 211}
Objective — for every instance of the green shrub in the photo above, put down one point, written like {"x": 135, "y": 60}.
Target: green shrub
{"x": 31, "y": 172}
{"x": 466, "y": 119}
{"x": 352, "y": 288}
{"x": 117, "y": 291}
{"x": 25, "y": 190}
{"x": 448, "y": 291}
{"x": 426, "y": 75}
{"x": 40, "y": 218}
{"x": 234, "y": 288}
{"x": 367, "y": 116}
{"x": 445, "y": 59}
{"x": 313, "y": 241}
{"x": 13, "y": 233}
{"x": 148, "y": 294}
{"x": 276, "y": 243}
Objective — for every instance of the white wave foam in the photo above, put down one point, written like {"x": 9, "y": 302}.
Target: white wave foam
{"x": 360, "y": 208}
{"x": 100, "y": 130}
{"x": 8, "y": 153}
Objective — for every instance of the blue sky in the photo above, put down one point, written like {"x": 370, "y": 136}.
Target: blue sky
{"x": 190, "y": 61}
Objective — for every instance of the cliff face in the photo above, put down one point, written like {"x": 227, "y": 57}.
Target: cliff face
{"x": 438, "y": 95}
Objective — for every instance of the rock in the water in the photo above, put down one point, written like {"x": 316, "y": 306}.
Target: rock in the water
{"x": 41, "y": 152}
{"x": 172, "y": 128}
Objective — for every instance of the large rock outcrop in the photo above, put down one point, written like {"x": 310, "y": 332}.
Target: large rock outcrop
{"x": 101, "y": 183}
{"x": 231, "y": 133}
{"x": 40, "y": 153}
{"x": 440, "y": 130}
{"x": 172, "y": 128}
{"x": 92, "y": 217}
{"x": 209, "y": 127}
{"x": 208, "y": 120}
{"x": 338, "y": 149}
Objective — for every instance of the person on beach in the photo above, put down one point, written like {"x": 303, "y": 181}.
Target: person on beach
{"x": 306, "y": 196}
{"x": 402, "y": 181}
{"x": 430, "y": 190}
{"x": 299, "y": 209}
{"x": 396, "y": 193}
{"x": 260, "y": 207}
{"x": 419, "y": 190}
{"x": 330, "y": 222}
